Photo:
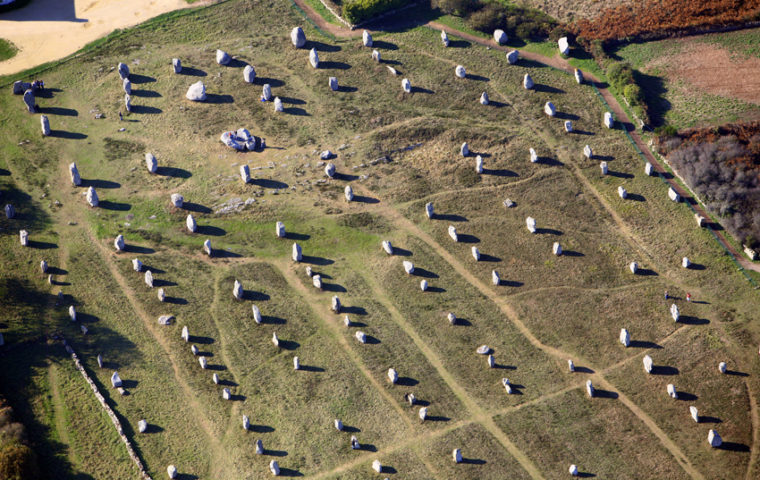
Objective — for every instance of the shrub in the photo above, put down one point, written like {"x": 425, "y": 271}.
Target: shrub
{"x": 18, "y": 462}
{"x": 357, "y": 11}
{"x": 488, "y": 19}
{"x": 456, "y": 7}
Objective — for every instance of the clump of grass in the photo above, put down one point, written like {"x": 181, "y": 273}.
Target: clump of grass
{"x": 7, "y": 50}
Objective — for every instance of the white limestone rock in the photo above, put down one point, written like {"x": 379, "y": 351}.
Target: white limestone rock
{"x": 550, "y": 109}
{"x": 483, "y": 350}
{"x": 215, "y": 379}
{"x": 123, "y": 70}
{"x": 513, "y": 56}
{"x": 533, "y": 156}
{"x": 226, "y": 394}
{"x": 297, "y": 37}
{"x": 495, "y": 278}
{"x": 573, "y": 470}
{"x": 475, "y": 253}
{"x": 116, "y": 380}
{"x": 608, "y": 120}
{"x": 92, "y": 197}
{"x": 249, "y": 74}
{"x": 444, "y": 39}
{"x": 557, "y": 249}
{"x": 453, "y": 233}
{"x": 464, "y": 150}
{"x": 457, "y": 455}
{"x": 296, "y": 364}
{"x": 648, "y": 365}
{"x": 673, "y": 195}
{"x": 527, "y": 82}
{"x": 256, "y": 314}
{"x": 245, "y": 174}
{"x": 23, "y": 236}
{"x": 330, "y": 170}
{"x": 649, "y": 169}
{"x": 685, "y": 262}
{"x": 43, "y": 266}
{"x": 348, "y": 193}
{"x": 275, "y": 340}
{"x": 194, "y": 349}
{"x": 377, "y": 466}
{"x": 423, "y": 285}
{"x": 338, "y": 425}
{"x": 237, "y": 290}
{"x": 176, "y": 65}
{"x": 500, "y": 37}
{"x": 590, "y": 388}
{"x": 406, "y": 85}
{"x": 507, "y": 386}
{"x": 149, "y": 278}
{"x": 588, "y": 153}
{"x": 196, "y": 92}
{"x": 222, "y": 57}
{"x": 713, "y": 438}
{"x": 570, "y": 365}
{"x": 460, "y": 72}
{"x": 246, "y": 422}
{"x": 10, "y": 212}
{"x": 625, "y": 337}
{"x": 190, "y": 223}
{"x": 672, "y": 391}
{"x": 266, "y": 92}
{"x": 177, "y": 200}
{"x": 72, "y": 313}
{"x": 76, "y": 180}
{"x": 279, "y": 229}
{"x": 278, "y": 105}
{"x": 333, "y": 83}
{"x": 165, "y": 319}
{"x": 316, "y": 280}
{"x": 479, "y": 164}
{"x": 387, "y": 247}
{"x": 336, "y": 304}
{"x": 622, "y": 192}
{"x": 45, "y": 124}
{"x": 171, "y": 470}
{"x": 694, "y": 413}
{"x": 674, "y": 313}
{"x": 634, "y": 267}
{"x": 530, "y": 222}
{"x": 376, "y": 56}
{"x": 185, "y": 334}
{"x": 297, "y": 253}
{"x": 118, "y": 243}
{"x": 142, "y": 426}
{"x": 422, "y": 413}
{"x": 568, "y": 126}
{"x": 491, "y": 361}
{"x": 408, "y": 267}
{"x": 722, "y": 368}
{"x": 564, "y": 46}
{"x": 314, "y": 58}
{"x": 366, "y": 39}
{"x": 578, "y": 76}
{"x": 453, "y": 320}
{"x": 429, "y": 211}
{"x": 604, "y": 168}
{"x": 207, "y": 247}
{"x": 392, "y": 375}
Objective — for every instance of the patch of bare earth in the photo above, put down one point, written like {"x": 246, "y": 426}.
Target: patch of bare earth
{"x": 711, "y": 69}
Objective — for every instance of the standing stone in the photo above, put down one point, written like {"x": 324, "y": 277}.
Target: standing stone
{"x": 453, "y": 233}
{"x": 649, "y": 169}
{"x": 203, "y": 362}
{"x": 491, "y": 361}
{"x": 123, "y": 70}
{"x": 722, "y": 368}
{"x": 190, "y": 223}
{"x": 43, "y": 266}
{"x": 296, "y": 364}
{"x": 464, "y": 150}
{"x": 246, "y": 422}
{"x": 92, "y": 197}
{"x": 557, "y": 249}
{"x": 408, "y": 267}
{"x": 366, "y": 38}
{"x": 297, "y": 37}
{"x": 207, "y": 247}
{"x": 76, "y": 180}
{"x": 495, "y": 279}
{"x": 622, "y": 192}
{"x": 634, "y": 267}
{"x": 460, "y": 72}
{"x": 475, "y": 254}
{"x": 457, "y": 455}
{"x": 387, "y": 247}
{"x": 550, "y": 109}
{"x": 507, "y": 386}
{"x": 149, "y": 278}
{"x": 444, "y": 39}
{"x": 564, "y": 46}
{"x": 278, "y": 105}
{"x": 100, "y": 361}
{"x": 578, "y": 76}
{"x": 568, "y": 126}
{"x": 314, "y": 58}
{"x": 127, "y": 86}
{"x": 714, "y": 439}
{"x": 151, "y": 163}
{"x": 127, "y": 102}
{"x": 685, "y": 262}
{"x": 672, "y": 391}
{"x": 609, "y": 122}
{"x": 406, "y": 85}
{"x": 588, "y": 153}
{"x": 316, "y": 280}
{"x": 226, "y": 394}
{"x": 237, "y": 290}
{"x": 275, "y": 340}
{"x": 674, "y": 313}
{"x": 333, "y": 83}
{"x": 330, "y": 169}
{"x": 297, "y": 254}
{"x": 377, "y": 466}
{"x": 376, "y": 56}
{"x": 336, "y": 304}
{"x": 185, "y": 334}
{"x": 590, "y": 388}
{"x": 648, "y": 365}
{"x": 266, "y": 92}
{"x": 673, "y": 195}
{"x": 533, "y": 156}
{"x": 196, "y": 92}
{"x": 570, "y": 365}
{"x": 603, "y": 167}
{"x": 527, "y": 82}
{"x": 215, "y": 379}
{"x": 484, "y": 100}
{"x": 115, "y": 380}
{"x": 45, "y": 124}
{"x": 500, "y": 37}
{"x": 72, "y": 313}
{"x": 176, "y": 65}
{"x": 29, "y": 101}
{"x": 172, "y": 471}
{"x": 222, "y": 57}
{"x": 429, "y": 210}
{"x": 338, "y": 425}
{"x": 245, "y": 173}
{"x": 177, "y": 200}
{"x": 453, "y": 320}
{"x": 573, "y": 470}
{"x": 118, "y": 243}
{"x": 348, "y": 192}
{"x": 161, "y": 295}
{"x": 279, "y": 230}
{"x": 625, "y": 337}
{"x": 392, "y": 375}
{"x": 513, "y": 57}
{"x": 694, "y": 413}
{"x": 256, "y": 314}
{"x": 249, "y": 74}
{"x": 530, "y": 222}
{"x": 142, "y": 426}
{"x": 423, "y": 285}
{"x": 274, "y": 468}
{"x": 23, "y": 236}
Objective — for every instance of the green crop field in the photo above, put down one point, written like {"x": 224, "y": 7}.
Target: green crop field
{"x": 398, "y": 151}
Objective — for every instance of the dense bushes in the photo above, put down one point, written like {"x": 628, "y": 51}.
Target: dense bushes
{"x": 17, "y": 460}
{"x": 484, "y": 16}
{"x": 356, "y": 11}
{"x": 648, "y": 19}
{"x": 722, "y": 165}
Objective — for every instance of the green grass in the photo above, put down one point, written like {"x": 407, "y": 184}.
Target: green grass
{"x": 323, "y": 12}
{"x": 398, "y": 152}
{"x": 7, "y": 50}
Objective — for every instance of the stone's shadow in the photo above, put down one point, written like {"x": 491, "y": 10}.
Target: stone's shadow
{"x": 129, "y": 384}
{"x": 707, "y": 419}
{"x": 289, "y": 472}
{"x": 65, "y": 112}
{"x": 159, "y": 282}
{"x": 463, "y": 322}
{"x": 67, "y": 135}
{"x": 466, "y": 238}
{"x": 604, "y": 158}
{"x": 636, "y": 197}
{"x": 4, "y": 172}
{"x": 387, "y": 469}
{"x": 664, "y": 370}
{"x": 421, "y": 272}
{"x": 192, "y": 72}
{"x": 262, "y": 429}
{"x": 615, "y": 174}
{"x": 572, "y": 253}
{"x": 186, "y": 476}
{"x": 370, "y": 340}
{"x": 599, "y": 393}
{"x": 586, "y": 475}
{"x": 582, "y": 132}
{"x": 367, "y": 447}
{"x": 583, "y": 369}
{"x": 116, "y": 206}
{"x": 153, "y": 429}
{"x": 500, "y": 172}
{"x": 288, "y": 344}
{"x": 510, "y": 283}
{"x": 734, "y": 447}
{"x": 365, "y": 199}
{"x": 459, "y": 43}
{"x": 146, "y": 94}
{"x": 57, "y": 271}
{"x": 224, "y": 254}
{"x": 686, "y": 397}
{"x": 173, "y": 172}
{"x": 642, "y": 344}
{"x": 237, "y": 398}
{"x": 333, "y": 65}
{"x": 353, "y": 310}
{"x": 268, "y": 183}
{"x": 196, "y": 207}
{"x": 99, "y": 184}
{"x": 553, "y": 162}
{"x": 422, "y": 90}
{"x": 407, "y": 381}
{"x": 296, "y": 111}
{"x": 255, "y": 296}
{"x": 478, "y": 78}
{"x": 737, "y": 374}
{"x": 321, "y": 47}
{"x": 216, "y": 99}
{"x": 271, "y": 320}
{"x": 273, "y": 82}
{"x": 645, "y": 272}
{"x": 549, "y": 231}
{"x": 472, "y": 461}
{"x": 293, "y": 101}
{"x": 489, "y": 258}
{"x": 210, "y": 230}
{"x": 401, "y": 252}
{"x": 566, "y": 116}
{"x": 139, "y": 79}
{"x": 448, "y": 218}
{"x": 690, "y": 320}
{"x": 275, "y": 453}
{"x": 383, "y": 45}
{"x": 333, "y": 287}
{"x": 696, "y": 266}
{"x": 41, "y": 245}
{"x": 227, "y": 383}
{"x": 311, "y": 368}
{"x": 350, "y": 429}
{"x": 236, "y": 63}
{"x": 145, "y": 110}
{"x": 200, "y": 340}
{"x": 298, "y": 236}
{"x": 345, "y": 177}
{"x": 539, "y": 87}
{"x": 438, "y": 418}
{"x": 216, "y": 368}
{"x": 347, "y": 89}
{"x": 316, "y": 260}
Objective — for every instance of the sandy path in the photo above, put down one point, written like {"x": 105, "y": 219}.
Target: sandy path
{"x": 48, "y": 30}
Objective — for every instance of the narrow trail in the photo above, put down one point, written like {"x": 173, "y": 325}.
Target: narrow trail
{"x": 753, "y": 456}
{"x": 471, "y": 405}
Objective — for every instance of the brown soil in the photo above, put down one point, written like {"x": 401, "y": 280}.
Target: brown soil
{"x": 711, "y": 69}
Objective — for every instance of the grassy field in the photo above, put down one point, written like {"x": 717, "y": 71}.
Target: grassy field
{"x": 7, "y": 50}
{"x": 398, "y": 151}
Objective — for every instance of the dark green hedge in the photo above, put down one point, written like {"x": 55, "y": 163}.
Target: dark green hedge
{"x": 357, "y": 11}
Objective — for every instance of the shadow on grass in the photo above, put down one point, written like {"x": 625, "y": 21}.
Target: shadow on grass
{"x": 447, "y": 217}
{"x": 100, "y": 184}
{"x": 192, "y": 72}
{"x": 173, "y": 172}
{"x": 67, "y": 135}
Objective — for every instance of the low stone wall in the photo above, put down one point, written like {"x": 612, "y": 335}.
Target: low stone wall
{"x": 114, "y": 419}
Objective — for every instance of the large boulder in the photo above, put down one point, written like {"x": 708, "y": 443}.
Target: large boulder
{"x": 298, "y": 37}
{"x": 222, "y": 57}
{"x": 513, "y": 57}
{"x": 196, "y": 92}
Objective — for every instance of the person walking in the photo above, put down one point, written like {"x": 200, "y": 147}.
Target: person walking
{"x": 666, "y": 295}
{"x": 121, "y": 117}
{"x": 688, "y": 297}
